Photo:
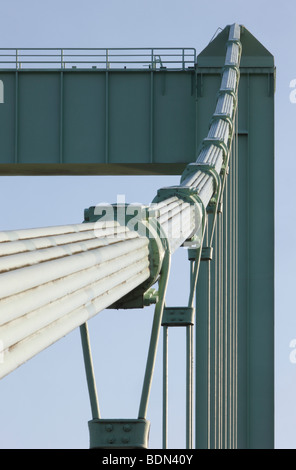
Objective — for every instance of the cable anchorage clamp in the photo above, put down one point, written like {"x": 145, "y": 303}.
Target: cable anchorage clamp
{"x": 143, "y": 220}
{"x": 210, "y": 170}
{"x": 188, "y": 195}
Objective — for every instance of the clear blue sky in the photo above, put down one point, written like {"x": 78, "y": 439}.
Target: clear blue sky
{"x": 44, "y": 404}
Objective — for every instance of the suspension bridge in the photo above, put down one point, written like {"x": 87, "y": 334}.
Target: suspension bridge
{"x": 208, "y": 118}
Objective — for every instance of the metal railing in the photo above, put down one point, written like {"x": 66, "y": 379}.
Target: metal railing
{"x": 98, "y": 58}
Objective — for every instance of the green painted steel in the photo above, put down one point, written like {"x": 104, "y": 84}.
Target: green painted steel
{"x": 97, "y": 111}
{"x": 74, "y": 121}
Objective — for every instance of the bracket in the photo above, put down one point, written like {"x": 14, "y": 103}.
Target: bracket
{"x": 136, "y": 299}
{"x": 218, "y": 142}
{"x": 225, "y": 116}
{"x": 234, "y": 41}
{"x": 186, "y": 193}
{"x": 143, "y": 220}
{"x": 119, "y": 433}
{"x": 204, "y": 168}
{"x": 178, "y": 316}
{"x": 206, "y": 253}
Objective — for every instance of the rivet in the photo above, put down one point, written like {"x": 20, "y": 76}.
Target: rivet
{"x": 109, "y": 428}
{"x": 125, "y": 440}
{"x": 111, "y": 440}
{"x": 127, "y": 428}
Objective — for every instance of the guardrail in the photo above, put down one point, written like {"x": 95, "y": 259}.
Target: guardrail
{"x": 112, "y": 58}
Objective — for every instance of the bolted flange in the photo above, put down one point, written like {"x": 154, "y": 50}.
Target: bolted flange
{"x": 119, "y": 434}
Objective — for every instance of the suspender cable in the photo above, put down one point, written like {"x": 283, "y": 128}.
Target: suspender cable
{"x": 215, "y": 443}
{"x": 90, "y": 377}
{"x": 236, "y": 281}
{"x": 226, "y": 317}
{"x": 165, "y": 389}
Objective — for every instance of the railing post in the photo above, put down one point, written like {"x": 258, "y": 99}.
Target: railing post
{"x": 107, "y": 59}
